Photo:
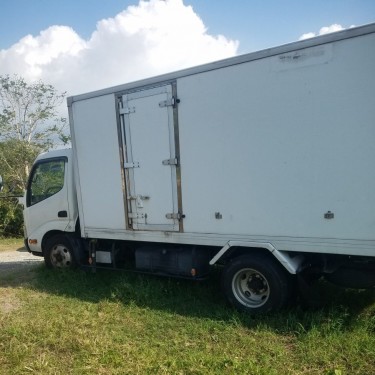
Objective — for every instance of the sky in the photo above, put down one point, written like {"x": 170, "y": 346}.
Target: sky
{"x": 84, "y": 45}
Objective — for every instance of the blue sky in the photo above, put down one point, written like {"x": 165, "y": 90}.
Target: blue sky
{"x": 84, "y": 45}
{"x": 256, "y": 24}
{"x": 259, "y": 24}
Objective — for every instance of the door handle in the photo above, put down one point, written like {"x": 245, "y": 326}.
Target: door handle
{"x": 62, "y": 214}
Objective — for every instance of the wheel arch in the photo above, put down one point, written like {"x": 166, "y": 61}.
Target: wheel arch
{"x": 290, "y": 261}
{"x": 74, "y": 241}
{"x": 49, "y": 235}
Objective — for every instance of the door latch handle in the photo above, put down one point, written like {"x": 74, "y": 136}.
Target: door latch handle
{"x": 62, "y": 214}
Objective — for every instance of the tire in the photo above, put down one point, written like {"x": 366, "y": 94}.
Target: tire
{"x": 58, "y": 253}
{"x": 256, "y": 284}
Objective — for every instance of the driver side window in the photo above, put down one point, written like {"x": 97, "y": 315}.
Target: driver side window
{"x": 46, "y": 180}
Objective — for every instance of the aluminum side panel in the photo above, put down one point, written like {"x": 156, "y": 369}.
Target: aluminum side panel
{"x": 269, "y": 147}
{"x": 97, "y": 162}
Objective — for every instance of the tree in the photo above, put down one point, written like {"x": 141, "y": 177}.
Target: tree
{"x": 29, "y": 124}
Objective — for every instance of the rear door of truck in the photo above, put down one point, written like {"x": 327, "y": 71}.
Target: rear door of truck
{"x": 148, "y": 123}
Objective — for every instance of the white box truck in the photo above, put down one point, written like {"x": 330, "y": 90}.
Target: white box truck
{"x": 260, "y": 164}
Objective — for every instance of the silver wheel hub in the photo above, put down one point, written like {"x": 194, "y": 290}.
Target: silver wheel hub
{"x": 250, "y": 288}
{"x": 60, "y": 256}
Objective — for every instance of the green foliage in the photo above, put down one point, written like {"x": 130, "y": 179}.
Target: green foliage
{"x": 29, "y": 125}
{"x": 11, "y": 220}
{"x": 16, "y": 159}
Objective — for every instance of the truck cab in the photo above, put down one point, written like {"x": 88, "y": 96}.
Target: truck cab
{"x": 50, "y": 203}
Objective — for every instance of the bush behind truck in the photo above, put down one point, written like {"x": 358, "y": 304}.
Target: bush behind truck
{"x": 261, "y": 164}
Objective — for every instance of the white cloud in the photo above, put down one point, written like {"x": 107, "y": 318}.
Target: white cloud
{"x": 32, "y": 55}
{"x": 330, "y": 29}
{"x": 151, "y": 38}
{"x": 324, "y": 30}
{"x": 307, "y": 36}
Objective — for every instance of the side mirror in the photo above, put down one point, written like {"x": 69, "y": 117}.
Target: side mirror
{"x": 1, "y": 183}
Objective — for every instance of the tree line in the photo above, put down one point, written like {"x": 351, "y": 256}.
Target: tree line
{"x": 29, "y": 124}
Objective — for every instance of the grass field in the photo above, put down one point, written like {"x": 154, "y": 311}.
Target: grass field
{"x": 7, "y": 244}
{"x": 123, "y": 323}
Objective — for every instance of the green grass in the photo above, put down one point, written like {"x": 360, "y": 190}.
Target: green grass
{"x": 124, "y": 323}
{"x": 8, "y": 244}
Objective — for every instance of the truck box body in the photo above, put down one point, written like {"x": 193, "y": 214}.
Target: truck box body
{"x": 275, "y": 146}
{"x": 261, "y": 164}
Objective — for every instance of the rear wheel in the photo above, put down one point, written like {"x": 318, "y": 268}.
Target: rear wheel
{"x": 58, "y": 253}
{"x": 256, "y": 284}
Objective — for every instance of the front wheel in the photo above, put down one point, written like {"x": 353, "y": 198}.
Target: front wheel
{"x": 58, "y": 253}
{"x": 256, "y": 284}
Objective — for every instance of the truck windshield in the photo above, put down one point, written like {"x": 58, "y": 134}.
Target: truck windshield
{"x": 47, "y": 179}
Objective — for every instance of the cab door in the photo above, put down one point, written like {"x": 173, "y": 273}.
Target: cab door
{"x": 151, "y": 160}
{"x": 46, "y": 206}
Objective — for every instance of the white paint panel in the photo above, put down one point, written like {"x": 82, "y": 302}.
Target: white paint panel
{"x": 98, "y": 177}
{"x": 272, "y": 149}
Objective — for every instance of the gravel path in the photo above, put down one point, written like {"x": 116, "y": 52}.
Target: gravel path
{"x": 15, "y": 259}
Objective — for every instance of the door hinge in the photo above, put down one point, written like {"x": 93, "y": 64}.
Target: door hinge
{"x": 169, "y": 102}
{"x": 173, "y": 161}
{"x": 135, "y": 215}
{"x": 175, "y": 216}
{"x": 126, "y": 110}
{"x": 135, "y": 164}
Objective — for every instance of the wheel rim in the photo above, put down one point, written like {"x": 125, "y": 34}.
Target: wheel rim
{"x": 250, "y": 288}
{"x": 60, "y": 256}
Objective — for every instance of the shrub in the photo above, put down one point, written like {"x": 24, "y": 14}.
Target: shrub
{"x": 11, "y": 219}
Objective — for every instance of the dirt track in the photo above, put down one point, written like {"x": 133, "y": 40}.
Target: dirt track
{"x": 16, "y": 259}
